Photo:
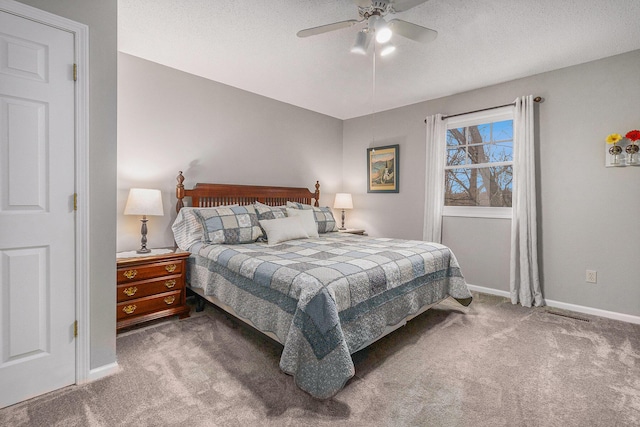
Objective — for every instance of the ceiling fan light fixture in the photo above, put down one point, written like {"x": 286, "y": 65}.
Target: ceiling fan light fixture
{"x": 383, "y": 33}
{"x": 361, "y": 44}
{"x": 380, "y": 27}
{"x": 387, "y": 49}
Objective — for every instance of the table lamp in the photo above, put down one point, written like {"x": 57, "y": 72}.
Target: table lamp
{"x": 343, "y": 201}
{"x": 144, "y": 201}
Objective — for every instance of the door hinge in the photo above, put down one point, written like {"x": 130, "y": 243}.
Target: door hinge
{"x": 75, "y": 201}
{"x": 75, "y": 329}
{"x": 75, "y": 72}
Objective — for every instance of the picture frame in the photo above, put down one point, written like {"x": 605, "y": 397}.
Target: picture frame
{"x": 383, "y": 169}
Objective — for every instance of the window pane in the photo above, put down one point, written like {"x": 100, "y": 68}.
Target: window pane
{"x": 497, "y": 188}
{"x": 503, "y": 130}
{"x": 456, "y": 156}
{"x": 484, "y": 131}
{"x": 456, "y": 136}
{"x": 477, "y": 134}
{"x": 457, "y": 188}
{"x": 486, "y": 153}
{"x": 479, "y": 187}
{"x": 477, "y": 154}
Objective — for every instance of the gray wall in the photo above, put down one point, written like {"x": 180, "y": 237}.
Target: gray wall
{"x": 169, "y": 120}
{"x": 494, "y": 236}
{"x": 101, "y": 17}
{"x": 587, "y": 213}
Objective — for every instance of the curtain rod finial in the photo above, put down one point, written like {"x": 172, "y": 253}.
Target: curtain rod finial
{"x": 538, "y": 99}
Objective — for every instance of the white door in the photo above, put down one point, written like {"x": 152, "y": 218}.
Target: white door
{"x": 37, "y": 231}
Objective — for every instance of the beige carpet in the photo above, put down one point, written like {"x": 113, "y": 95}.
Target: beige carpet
{"x": 493, "y": 364}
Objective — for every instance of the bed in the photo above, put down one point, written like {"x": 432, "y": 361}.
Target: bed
{"x": 324, "y": 295}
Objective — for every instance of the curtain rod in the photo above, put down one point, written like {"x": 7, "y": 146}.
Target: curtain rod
{"x": 536, "y": 99}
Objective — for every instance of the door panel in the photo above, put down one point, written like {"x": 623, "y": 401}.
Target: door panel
{"x": 26, "y": 275}
{"x": 37, "y": 221}
{"x": 23, "y": 58}
{"x": 24, "y": 149}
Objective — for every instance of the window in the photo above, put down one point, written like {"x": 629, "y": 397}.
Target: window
{"x": 479, "y": 164}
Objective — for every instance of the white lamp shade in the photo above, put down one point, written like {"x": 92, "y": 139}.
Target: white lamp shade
{"x": 144, "y": 201}
{"x": 343, "y": 201}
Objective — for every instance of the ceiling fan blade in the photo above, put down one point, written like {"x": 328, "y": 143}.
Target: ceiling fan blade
{"x": 326, "y": 28}
{"x": 402, "y": 5}
{"x": 412, "y": 31}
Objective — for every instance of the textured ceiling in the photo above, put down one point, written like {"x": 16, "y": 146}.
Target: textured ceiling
{"x": 252, "y": 45}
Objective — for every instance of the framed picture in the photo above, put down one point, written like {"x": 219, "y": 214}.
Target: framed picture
{"x": 383, "y": 169}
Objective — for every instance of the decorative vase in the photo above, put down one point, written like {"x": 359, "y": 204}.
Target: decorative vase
{"x": 633, "y": 158}
{"x": 615, "y": 152}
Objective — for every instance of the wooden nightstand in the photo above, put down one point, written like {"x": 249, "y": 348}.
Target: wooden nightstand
{"x": 354, "y": 231}
{"x": 151, "y": 287}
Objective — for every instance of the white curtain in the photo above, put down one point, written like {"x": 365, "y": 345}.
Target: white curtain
{"x": 524, "y": 277}
{"x": 434, "y": 179}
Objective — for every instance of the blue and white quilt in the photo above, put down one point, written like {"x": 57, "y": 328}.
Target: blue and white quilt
{"x": 326, "y": 297}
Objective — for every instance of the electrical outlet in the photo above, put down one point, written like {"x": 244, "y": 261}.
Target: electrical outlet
{"x": 592, "y": 276}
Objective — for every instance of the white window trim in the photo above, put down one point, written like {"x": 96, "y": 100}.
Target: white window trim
{"x": 477, "y": 212}
{"x": 481, "y": 117}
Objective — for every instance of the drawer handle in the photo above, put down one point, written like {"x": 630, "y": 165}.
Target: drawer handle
{"x": 170, "y": 283}
{"x": 130, "y": 274}
{"x": 170, "y": 268}
{"x": 169, "y": 300}
{"x": 131, "y": 291}
{"x": 129, "y": 309}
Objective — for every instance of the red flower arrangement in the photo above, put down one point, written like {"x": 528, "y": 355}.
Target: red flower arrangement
{"x": 633, "y": 149}
{"x": 633, "y": 135}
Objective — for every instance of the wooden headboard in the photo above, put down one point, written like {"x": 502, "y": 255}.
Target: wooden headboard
{"x": 212, "y": 195}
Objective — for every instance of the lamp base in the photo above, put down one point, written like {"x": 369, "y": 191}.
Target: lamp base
{"x": 143, "y": 241}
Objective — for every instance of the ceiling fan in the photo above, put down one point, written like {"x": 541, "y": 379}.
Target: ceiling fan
{"x": 372, "y": 13}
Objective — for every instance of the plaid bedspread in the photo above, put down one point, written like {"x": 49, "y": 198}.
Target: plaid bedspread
{"x": 325, "y": 297}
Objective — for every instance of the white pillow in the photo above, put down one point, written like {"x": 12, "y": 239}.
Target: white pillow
{"x": 283, "y": 229}
{"x": 307, "y": 219}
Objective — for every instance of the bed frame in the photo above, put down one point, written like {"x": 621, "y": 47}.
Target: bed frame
{"x": 212, "y": 195}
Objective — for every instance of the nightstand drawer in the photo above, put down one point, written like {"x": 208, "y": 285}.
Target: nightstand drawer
{"x": 143, "y": 288}
{"x": 148, "y": 271}
{"x": 148, "y": 304}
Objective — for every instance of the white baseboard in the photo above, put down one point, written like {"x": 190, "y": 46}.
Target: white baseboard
{"x": 103, "y": 371}
{"x": 489, "y": 291}
{"x": 565, "y": 306}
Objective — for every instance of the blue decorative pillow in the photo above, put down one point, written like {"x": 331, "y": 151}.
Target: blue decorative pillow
{"x": 324, "y": 216}
{"x": 230, "y": 225}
